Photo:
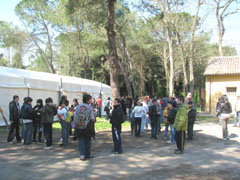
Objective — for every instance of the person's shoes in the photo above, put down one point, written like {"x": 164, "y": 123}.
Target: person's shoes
{"x": 119, "y": 152}
{"x": 74, "y": 138}
{"x": 151, "y": 137}
{"x": 165, "y": 138}
{"x": 225, "y": 139}
{"x": 10, "y": 142}
{"x": 170, "y": 142}
{"x": 34, "y": 141}
{"x": 155, "y": 137}
{"x": 62, "y": 144}
{"x": 114, "y": 150}
{"x": 61, "y": 140}
{"x": 48, "y": 148}
{"x": 90, "y": 156}
{"x": 82, "y": 158}
{"x": 179, "y": 152}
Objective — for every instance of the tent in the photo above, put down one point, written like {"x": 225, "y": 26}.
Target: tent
{"x": 43, "y": 85}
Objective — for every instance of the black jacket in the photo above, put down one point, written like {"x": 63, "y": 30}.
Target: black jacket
{"x": 27, "y": 112}
{"x": 14, "y": 112}
{"x": 37, "y": 109}
{"x": 153, "y": 114}
{"x": 171, "y": 115}
{"x": 47, "y": 113}
{"x": 192, "y": 115}
{"x": 117, "y": 116}
{"x": 226, "y": 108}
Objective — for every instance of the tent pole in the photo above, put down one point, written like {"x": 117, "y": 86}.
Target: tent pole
{"x": 60, "y": 89}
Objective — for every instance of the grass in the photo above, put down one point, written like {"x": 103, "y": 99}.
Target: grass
{"x": 101, "y": 124}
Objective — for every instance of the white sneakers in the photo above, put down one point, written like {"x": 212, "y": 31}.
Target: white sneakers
{"x": 10, "y": 142}
{"x": 48, "y": 147}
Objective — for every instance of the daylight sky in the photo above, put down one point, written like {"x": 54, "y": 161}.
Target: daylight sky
{"x": 232, "y": 23}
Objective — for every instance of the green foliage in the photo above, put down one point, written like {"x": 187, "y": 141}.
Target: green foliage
{"x": 71, "y": 35}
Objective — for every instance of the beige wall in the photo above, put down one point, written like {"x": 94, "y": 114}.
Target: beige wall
{"x": 216, "y": 86}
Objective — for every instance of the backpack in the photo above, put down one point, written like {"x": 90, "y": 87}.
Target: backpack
{"x": 81, "y": 117}
{"x": 69, "y": 116}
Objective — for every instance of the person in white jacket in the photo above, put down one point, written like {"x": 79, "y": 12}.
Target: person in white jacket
{"x": 62, "y": 115}
{"x": 137, "y": 113}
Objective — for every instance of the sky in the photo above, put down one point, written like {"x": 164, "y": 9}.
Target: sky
{"x": 232, "y": 23}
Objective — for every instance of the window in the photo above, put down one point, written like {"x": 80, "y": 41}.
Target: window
{"x": 231, "y": 89}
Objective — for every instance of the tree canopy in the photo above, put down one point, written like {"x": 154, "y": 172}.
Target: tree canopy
{"x": 149, "y": 47}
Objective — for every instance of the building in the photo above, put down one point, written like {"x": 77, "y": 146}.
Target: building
{"x": 222, "y": 76}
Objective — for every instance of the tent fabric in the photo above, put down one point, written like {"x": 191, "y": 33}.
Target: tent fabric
{"x": 43, "y": 85}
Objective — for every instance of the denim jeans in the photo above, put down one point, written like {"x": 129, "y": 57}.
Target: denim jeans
{"x": 172, "y": 135}
{"x": 28, "y": 133}
{"x": 84, "y": 145}
{"x": 159, "y": 125}
{"x": 219, "y": 118}
{"x": 117, "y": 139}
{"x": 99, "y": 112}
{"x": 166, "y": 130}
{"x": 65, "y": 131}
{"x": 237, "y": 116}
{"x": 143, "y": 122}
{"x": 147, "y": 121}
{"x": 154, "y": 130}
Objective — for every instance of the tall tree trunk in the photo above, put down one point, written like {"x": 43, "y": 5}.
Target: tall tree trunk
{"x": 183, "y": 63}
{"x": 165, "y": 58}
{"x": 123, "y": 64}
{"x": 126, "y": 78}
{"x": 132, "y": 73}
{"x": 171, "y": 59}
{"x": 220, "y": 29}
{"x": 113, "y": 57}
{"x": 191, "y": 69}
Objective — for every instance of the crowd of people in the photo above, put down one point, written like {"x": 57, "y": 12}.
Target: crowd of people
{"x": 177, "y": 114}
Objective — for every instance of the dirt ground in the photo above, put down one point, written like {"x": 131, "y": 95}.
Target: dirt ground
{"x": 206, "y": 157}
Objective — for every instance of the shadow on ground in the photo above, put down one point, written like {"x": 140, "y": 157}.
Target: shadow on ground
{"x": 207, "y": 157}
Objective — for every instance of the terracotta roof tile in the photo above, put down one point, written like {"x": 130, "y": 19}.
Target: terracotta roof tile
{"x": 223, "y": 65}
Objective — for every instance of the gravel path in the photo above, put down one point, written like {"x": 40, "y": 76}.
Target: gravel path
{"x": 206, "y": 157}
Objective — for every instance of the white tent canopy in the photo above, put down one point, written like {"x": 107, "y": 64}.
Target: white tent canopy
{"x": 41, "y": 85}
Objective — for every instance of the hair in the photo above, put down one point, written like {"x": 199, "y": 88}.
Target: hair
{"x": 66, "y": 102}
{"x": 108, "y": 98}
{"x": 190, "y": 102}
{"x": 27, "y": 99}
{"x": 48, "y": 100}
{"x": 118, "y": 100}
{"x": 154, "y": 100}
{"x": 15, "y": 97}
{"x": 86, "y": 98}
{"x": 224, "y": 99}
{"x": 181, "y": 98}
{"x": 40, "y": 101}
{"x": 75, "y": 99}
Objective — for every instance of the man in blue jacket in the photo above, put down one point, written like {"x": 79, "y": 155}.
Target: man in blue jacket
{"x": 28, "y": 115}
